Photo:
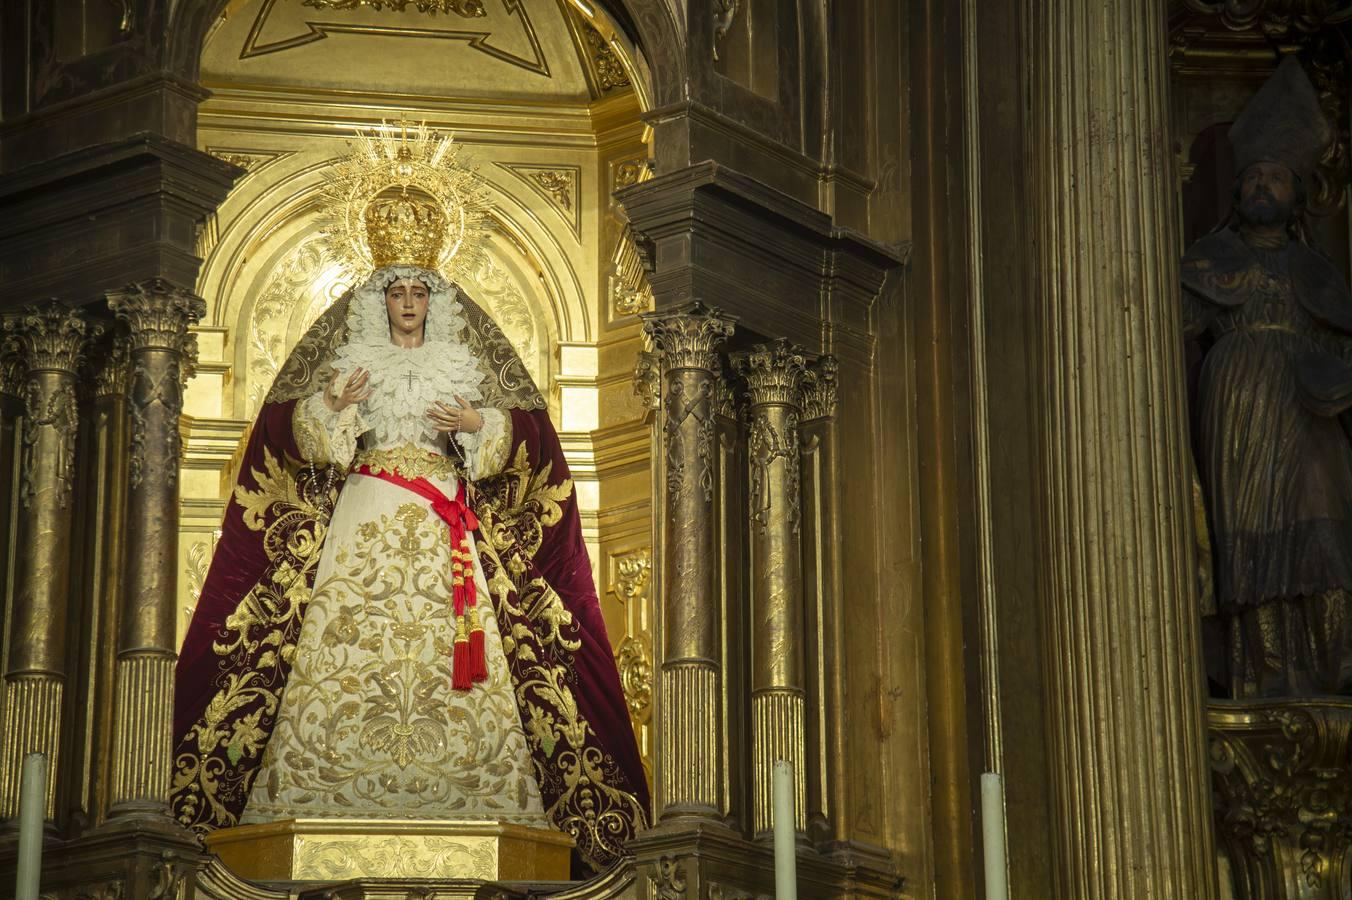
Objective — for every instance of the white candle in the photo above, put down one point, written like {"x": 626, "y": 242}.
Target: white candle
{"x": 32, "y": 814}
{"x": 786, "y": 838}
{"x": 993, "y": 835}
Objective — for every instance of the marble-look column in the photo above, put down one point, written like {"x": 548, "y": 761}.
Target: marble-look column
{"x": 1131, "y": 804}
{"x": 157, "y": 315}
{"x": 773, "y": 374}
{"x": 690, "y": 742}
{"x": 50, "y": 339}
{"x": 822, "y": 592}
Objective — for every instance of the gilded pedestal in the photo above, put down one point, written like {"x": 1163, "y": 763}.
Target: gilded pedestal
{"x": 50, "y": 339}
{"x": 342, "y": 849}
{"x": 773, "y": 374}
{"x": 690, "y": 742}
{"x": 1282, "y": 776}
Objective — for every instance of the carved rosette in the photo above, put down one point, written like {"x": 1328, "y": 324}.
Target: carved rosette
{"x": 690, "y": 729}
{"x": 1282, "y": 775}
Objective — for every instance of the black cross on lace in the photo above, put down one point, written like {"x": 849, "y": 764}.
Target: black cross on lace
{"x": 410, "y": 376}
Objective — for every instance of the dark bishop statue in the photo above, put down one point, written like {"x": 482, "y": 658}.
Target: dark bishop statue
{"x": 1273, "y": 319}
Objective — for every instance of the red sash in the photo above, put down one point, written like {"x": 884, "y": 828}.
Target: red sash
{"x": 468, "y": 664}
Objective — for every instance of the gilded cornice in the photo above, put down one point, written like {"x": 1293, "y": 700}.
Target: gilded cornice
{"x": 157, "y": 314}
{"x": 688, "y": 337}
{"x": 1276, "y": 18}
{"x": 773, "y": 373}
{"x": 819, "y": 389}
{"x": 50, "y": 337}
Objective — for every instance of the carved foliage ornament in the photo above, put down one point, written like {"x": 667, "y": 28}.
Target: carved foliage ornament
{"x": 1276, "y": 17}
{"x": 610, "y": 75}
{"x": 49, "y": 339}
{"x": 469, "y": 9}
{"x": 157, "y": 315}
{"x": 819, "y": 389}
{"x": 774, "y": 376}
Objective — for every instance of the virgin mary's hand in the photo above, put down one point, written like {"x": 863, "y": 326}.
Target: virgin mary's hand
{"x": 450, "y": 419}
{"x": 354, "y": 390}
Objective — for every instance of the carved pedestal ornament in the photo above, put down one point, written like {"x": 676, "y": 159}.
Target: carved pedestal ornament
{"x": 157, "y": 315}
{"x": 689, "y": 339}
{"x": 49, "y": 339}
{"x": 1283, "y": 792}
{"x": 773, "y": 374}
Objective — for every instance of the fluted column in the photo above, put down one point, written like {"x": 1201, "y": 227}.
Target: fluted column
{"x": 50, "y": 339}
{"x": 821, "y": 598}
{"x": 690, "y": 742}
{"x": 157, "y": 315}
{"x": 112, "y": 379}
{"x": 773, "y": 374}
{"x": 1130, "y": 797}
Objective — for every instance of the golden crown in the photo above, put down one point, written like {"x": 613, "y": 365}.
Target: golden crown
{"x": 403, "y": 195}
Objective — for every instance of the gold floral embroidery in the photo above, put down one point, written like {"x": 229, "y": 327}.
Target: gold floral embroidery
{"x": 369, "y": 721}
{"x": 289, "y": 505}
{"x": 539, "y": 633}
{"x": 408, "y": 461}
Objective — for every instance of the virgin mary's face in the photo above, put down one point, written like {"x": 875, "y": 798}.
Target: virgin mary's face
{"x": 406, "y": 303}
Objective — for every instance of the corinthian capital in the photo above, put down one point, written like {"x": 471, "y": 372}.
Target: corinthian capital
{"x": 157, "y": 313}
{"x": 773, "y": 373}
{"x": 11, "y": 366}
{"x": 819, "y": 389}
{"x": 689, "y": 336}
{"x": 114, "y": 369}
{"x": 49, "y": 337}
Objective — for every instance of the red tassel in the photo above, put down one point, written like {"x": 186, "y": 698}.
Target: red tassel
{"x": 478, "y": 663}
{"x": 460, "y": 666}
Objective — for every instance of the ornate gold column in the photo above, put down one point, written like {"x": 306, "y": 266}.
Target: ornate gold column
{"x": 689, "y": 724}
{"x": 821, "y": 598}
{"x": 773, "y": 374}
{"x": 157, "y": 315}
{"x": 1131, "y": 804}
{"x": 111, "y": 451}
{"x": 50, "y": 338}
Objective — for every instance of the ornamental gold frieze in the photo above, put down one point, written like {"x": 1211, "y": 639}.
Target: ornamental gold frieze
{"x": 157, "y": 314}
{"x": 689, "y": 337}
{"x": 683, "y": 404}
{"x": 50, "y": 406}
{"x": 819, "y": 389}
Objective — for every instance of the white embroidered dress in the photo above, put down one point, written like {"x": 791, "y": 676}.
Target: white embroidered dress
{"x": 369, "y": 725}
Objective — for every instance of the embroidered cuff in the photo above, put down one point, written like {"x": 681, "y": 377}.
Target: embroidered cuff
{"x": 325, "y": 436}
{"x": 486, "y": 449}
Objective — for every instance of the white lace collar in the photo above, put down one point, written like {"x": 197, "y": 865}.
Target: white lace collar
{"x": 404, "y": 382}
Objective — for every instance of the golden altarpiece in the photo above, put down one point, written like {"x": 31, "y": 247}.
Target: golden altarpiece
{"x": 864, "y": 403}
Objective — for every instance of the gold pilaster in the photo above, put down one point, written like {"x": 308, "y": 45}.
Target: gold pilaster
{"x": 111, "y": 460}
{"x": 773, "y": 374}
{"x": 821, "y": 598}
{"x": 689, "y": 738}
{"x": 49, "y": 339}
{"x": 1130, "y": 801}
{"x": 157, "y": 315}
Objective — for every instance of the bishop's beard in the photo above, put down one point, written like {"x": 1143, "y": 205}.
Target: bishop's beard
{"x": 1262, "y": 209}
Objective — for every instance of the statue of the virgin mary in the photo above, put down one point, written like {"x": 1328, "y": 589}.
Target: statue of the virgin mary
{"x": 400, "y": 619}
